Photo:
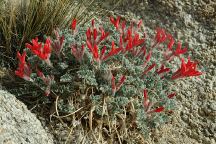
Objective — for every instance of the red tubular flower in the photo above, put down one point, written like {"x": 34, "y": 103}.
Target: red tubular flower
{"x": 123, "y": 25}
{"x": 103, "y": 52}
{"x": 115, "y": 87}
{"x": 142, "y": 52}
{"x": 93, "y": 22}
{"x": 89, "y": 45}
{"x": 103, "y": 36}
{"x": 179, "y": 50}
{"x": 146, "y": 102}
{"x": 88, "y": 34}
{"x": 35, "y": 47}
{"x": 21, "y": 57}
{"x": 121, "y": 42}
{"x": 156, "y": 110}
{"x": 47, "y": 81}
{"x": 121, "y": 81}
{"x": 78, "y": 53}
{"x": 42, "y": 52}
{"x": 115, "y": 22}
{"x": 129, "y": 34}
{"x": 133, "y": 39}
{"x": 149, "y": 68}
{"x": 95, "y": 34}
{"x": 139, "y": 24}
{"x": 57, "y": 45}
{"x": 187, "y": 69}
{"x": 42, "y": 76}
{"x": 73, "y": 24}
{"x": 137, "y": 41}
{"x": 95, "y": 52}
{"x": 24, "y": 70}
{"x": 171, "y": 95}
{"x": 159, "y": 109}
{"x": 129, "y": 45}
{"x": 171, "y": 42}
{"x": 160, "y": 35}
{"x": 112, "y": 52}
{"x": 148, "y": 57}
{"x": 162, "y": 70}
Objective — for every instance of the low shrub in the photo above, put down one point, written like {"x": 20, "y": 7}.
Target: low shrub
{"x": 111, "y": 77}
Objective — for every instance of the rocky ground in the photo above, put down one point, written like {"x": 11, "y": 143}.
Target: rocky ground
{"x": 194, "y": 22}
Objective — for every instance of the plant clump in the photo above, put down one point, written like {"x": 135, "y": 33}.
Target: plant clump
{"x": 110, "y": 77}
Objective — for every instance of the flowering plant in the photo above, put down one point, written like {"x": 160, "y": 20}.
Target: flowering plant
{"x": 112, "y": 72}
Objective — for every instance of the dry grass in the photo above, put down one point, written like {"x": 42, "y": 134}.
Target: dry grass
{"x": 21, "y": 20}
{"x": 84, "y": 126}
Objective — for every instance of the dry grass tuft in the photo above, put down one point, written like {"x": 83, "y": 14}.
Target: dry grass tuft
{"x": 21, "y": 20}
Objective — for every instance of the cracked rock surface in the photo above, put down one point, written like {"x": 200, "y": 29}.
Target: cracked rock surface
{"x": 18, "y": 125}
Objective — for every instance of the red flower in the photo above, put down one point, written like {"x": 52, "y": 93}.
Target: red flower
{"x": 47, "y": 81}
{"x": 179, "y": 50}
{"x": 148, "y": 57}
{"x": 137, "y": 41}
{"x": 115, "y": 22}
{"x": 73, "y": 24}
{"x": 23, "y": 70}
{"x": 139, "y": 24}
{"x": 115, "y": 87}
{"x": 162, "y": 70}
{"x": 35, "y": 47}
{"x": 93, "y": 22}
{"x": 88, "y": 34}
{"x": 171, "y": 95}
{"x": 137, "y": 52}
{"x": 95, "y": 34}
{"x": 160, "y": 35}
{"x": 187, "y": 69}
{"x": 103, "y": 35}
{"x": 156, "y": 110}
{"x": 123, "y": 25}
{"x": 146, "y": 102}
{"x": 94, "y": 50}
{"x": 78, "y": 53}
{"x": 57, "y": 45}
{"x": 42, "y": 52}
{"x": 159, "y": 109}
{"x": 171, "y": 42}
{"x": 149, "y": 68}
{"x": 103, "y": 52}
{"x": 113, "y": 51}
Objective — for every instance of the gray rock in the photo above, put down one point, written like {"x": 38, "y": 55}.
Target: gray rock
{"x": 18, "y": 125}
